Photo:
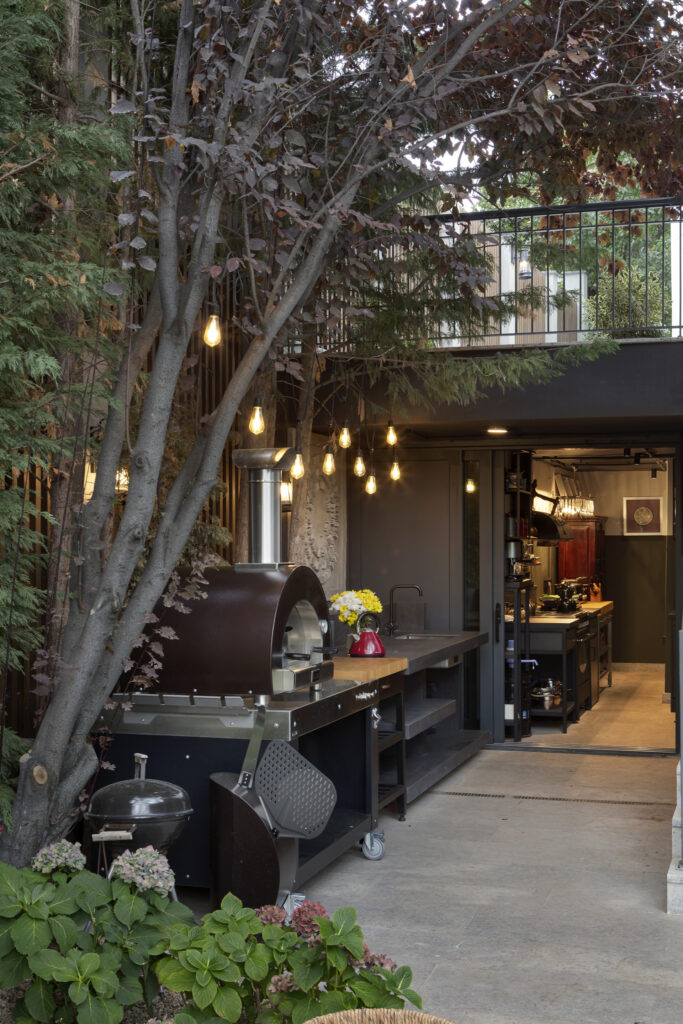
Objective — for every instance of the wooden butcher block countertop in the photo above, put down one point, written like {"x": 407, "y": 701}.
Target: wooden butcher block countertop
{"x": 366, "y": 670}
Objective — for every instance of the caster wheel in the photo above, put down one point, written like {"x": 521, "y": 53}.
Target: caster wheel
{"x": 373, "y": 846}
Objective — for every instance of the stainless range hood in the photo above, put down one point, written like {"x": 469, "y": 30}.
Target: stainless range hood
{"x": 547, "y": 530}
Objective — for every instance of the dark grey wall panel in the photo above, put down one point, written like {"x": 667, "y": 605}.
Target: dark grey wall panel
{"x": 635, "y": 579}
{"x": 402, "y": 534}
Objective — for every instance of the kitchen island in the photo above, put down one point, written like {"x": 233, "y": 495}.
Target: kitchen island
{"x": 421, "y": 708}
{"x": 381, "y": 729}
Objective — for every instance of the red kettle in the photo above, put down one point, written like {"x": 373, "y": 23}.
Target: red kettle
{"x": 368, "y": 644}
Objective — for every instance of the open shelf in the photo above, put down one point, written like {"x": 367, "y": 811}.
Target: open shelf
{"x": 424, "y": 712}
{"x": 431, "y": 756}
{"x": 388, "y": 738}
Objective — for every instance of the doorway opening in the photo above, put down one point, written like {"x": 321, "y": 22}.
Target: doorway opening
{"x": 614, "y": 569}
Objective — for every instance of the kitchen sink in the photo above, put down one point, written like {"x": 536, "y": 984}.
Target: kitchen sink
{"x": 422, "y": 636}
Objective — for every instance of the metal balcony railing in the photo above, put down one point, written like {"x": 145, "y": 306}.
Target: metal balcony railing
{"x": 542, "y": 275}
{"x": 576, "y": 272}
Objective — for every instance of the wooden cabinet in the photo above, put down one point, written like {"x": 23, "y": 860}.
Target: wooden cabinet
{"x": 584, "y": 556}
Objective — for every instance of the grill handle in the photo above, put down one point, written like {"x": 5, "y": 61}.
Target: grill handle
{"x": 140, "y": 766}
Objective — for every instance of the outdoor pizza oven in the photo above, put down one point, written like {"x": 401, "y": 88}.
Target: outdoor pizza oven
{"x": 263, "y": 627}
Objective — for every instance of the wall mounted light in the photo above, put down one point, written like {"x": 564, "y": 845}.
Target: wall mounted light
{"x": 496, "y": 430}
{"x": 256, "y": 422}
{"x": 359, "y": 464}
{"x": 524, "y": 265}
{"x": 345, "y": 437}
{"x": 391, "y": 434}
{"x": 328, "y": 461}
{"x": 297, "y": 470}
{"x": 212, "y": 331}
{"x": 395, "y": 471}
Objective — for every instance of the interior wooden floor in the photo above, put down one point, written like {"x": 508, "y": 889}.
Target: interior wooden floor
{"x": 634, "y": 713}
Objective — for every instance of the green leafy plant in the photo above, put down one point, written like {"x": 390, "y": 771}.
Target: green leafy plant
{"x": 627, "y": 306}
{"x": 88, "y": 947}
{"x": 12, "y": 749}
{"x": 83, "y": 942}
{"x": 243, "y": 965}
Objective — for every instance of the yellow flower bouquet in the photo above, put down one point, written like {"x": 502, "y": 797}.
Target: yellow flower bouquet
{"x": 352, "y": 606}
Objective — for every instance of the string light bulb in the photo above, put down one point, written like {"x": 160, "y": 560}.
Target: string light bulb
{"x": 371, "y": 483}
{"x": 328, "y": 461}
{"x": 345, "y": 437}
{"x": 395, "y": 471}
{"x": 359, "y": 464}
{"x": 392, "y": 437}
{"x": 297, "y": 470}
{"x": 212, "y": 331}
{"x": 470, "y": 485}
{"x": 286, "y": 492}
{"x": 256, "y": 422}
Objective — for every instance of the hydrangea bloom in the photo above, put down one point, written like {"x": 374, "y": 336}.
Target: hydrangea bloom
{"x": 282, "y": 983}
{"x": 146, "y": 869}
{"x": 61, "y": 856}
{"x": 270, "y": 914}
{"x": 303, "y": 919}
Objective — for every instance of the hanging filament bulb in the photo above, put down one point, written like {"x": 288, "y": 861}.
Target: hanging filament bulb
{"x": 359, "y": 464}
{"x": 470, "y": 485}
{"x": 212, "y": 331}
{"x": 391, "y": 434}
{"x": 286, "y": 492}
{"x": 256, "y": 422}
{"x": 328, "y": 461}
{"x": 297, "y": 470}
{"x": 371, "y": 483}
{"x": 345, "y": 437}
{"x": 395, "y": 471}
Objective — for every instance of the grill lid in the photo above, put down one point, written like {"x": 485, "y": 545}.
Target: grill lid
{"x": 140, "y": 800}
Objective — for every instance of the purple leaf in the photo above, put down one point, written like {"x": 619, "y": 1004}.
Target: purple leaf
{"x": 232, "y": 264}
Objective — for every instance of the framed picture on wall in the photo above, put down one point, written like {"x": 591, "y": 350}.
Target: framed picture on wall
{"x": 643, "y": 517}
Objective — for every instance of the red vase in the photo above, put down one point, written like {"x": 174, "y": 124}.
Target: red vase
{"x": 368, "y": 645}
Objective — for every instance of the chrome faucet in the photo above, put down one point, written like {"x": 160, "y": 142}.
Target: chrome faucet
{"x": 391, "y": 626}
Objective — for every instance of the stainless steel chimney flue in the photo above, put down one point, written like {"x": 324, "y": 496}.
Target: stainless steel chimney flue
{"x": 265, "y": 466}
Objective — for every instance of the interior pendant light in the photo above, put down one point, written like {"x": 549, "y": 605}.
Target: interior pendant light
{"x": 345, "y": 436}
{"x": 395, "y": 471}
{"x": 359, "y": 464}
{"x": 392, "y": 437}
{"x": 328, "y": 461}
{"x": 297, "y": 470}
{"x": 212, "y": 331}
{"x": 256, "y": 422}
